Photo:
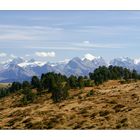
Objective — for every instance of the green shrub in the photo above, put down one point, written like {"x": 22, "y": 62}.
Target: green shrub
{"x": 60, "y": 93}
{"x": 81, "y": 92}
{"x": 25, "y": 84}
{"x": 28, "y": 97}
{"x": 88, "y": 83}
{"x": 4, "y": 92}
{"x": 15, "y": 87}
{"x": 90, "y": 93}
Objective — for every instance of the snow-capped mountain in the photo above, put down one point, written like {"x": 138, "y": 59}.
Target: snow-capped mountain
{"x": 137, "y": 61}
{"x": 15, "y": 73}
{"x": 38, "y": 70}
{"x": 19, "y": 69}
{"x": 90, "y": 57}
{"x": 137, "y": 64}
{"x": 75, "y": 67}
{"x": 83, "y": 66}
{"x": 124, "y": 62}
{"x": 31, "y": 63}
{"x": 127, "y": 63}
{"x": 15, "y": 61}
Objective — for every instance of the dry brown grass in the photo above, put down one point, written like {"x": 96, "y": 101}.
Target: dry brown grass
{"x": 112, "y": 106}
{"x": 4, "y": 85}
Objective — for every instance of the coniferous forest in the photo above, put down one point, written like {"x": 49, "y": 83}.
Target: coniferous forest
{"x": 59, "y": 85}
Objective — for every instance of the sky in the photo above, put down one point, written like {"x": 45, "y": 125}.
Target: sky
{"x": 59, "y": 35}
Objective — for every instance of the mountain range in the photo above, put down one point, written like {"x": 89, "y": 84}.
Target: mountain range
{"x": 19, "y": 69}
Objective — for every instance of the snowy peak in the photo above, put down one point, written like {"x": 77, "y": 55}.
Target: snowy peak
{"x": 64, "y": 62}
{"x": 20, "y": 69}
{"x": 13, "y": 62}
{"x": 17, "y": 60}
{"x": 23, "y": 63}
{"x": 75, "y": 62}
{"x": 90, "y": 57}
{"x": 31, "y": 64}
{"x": 124, "y": 60}
{"x": 137, "y": 61}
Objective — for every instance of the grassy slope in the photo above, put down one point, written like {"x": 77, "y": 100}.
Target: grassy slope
{"x": 113, "y": 106}
{"x": 4, "y": 85}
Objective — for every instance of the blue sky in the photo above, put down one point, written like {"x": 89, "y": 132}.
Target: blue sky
{"x": 59, "y": 35}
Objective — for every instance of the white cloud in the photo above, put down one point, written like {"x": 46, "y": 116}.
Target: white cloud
{"x": 109, "y": 31}
{"x": 3, "y": 54}
{"x": 15, "y": 37}
{"x": 74, "y": 48}
{"x": 86, "y": 42}
{"x": 11, "y": 32}
{"x": 45, "y": 54}
{"x": 27, "y": 55}
{"x": 88, "y": 45}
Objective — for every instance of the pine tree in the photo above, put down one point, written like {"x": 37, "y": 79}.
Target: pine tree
{"x": 134, "y": 75}
{"x": 15, "y": 86}
{"x": 28, "y": 97}
{"x": 35, "y": 82}
{"x": 73, "y": 82}
{"x": 80, "y": 82}
{"x": 25, "y": 84}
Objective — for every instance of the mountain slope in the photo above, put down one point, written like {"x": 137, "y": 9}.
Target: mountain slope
{"x": 15, "y": 73}
{"x": 124, "y": 62}
{"x": 113, "y": 106}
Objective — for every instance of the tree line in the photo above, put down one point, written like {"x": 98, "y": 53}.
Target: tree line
{"x": 103, "y": 74}
{"x": 58, "y": 85}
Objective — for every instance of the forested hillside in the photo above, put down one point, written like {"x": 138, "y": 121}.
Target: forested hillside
{"x": 55, "y": 101}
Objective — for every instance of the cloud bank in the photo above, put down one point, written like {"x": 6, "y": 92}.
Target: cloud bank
{"x": 45, "y": 54}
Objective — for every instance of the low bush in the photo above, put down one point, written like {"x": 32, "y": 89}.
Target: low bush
{"x": 90, "y": 93}
{"x": 28, "y": 97}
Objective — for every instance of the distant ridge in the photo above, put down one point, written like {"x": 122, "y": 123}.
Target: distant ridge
{"x": 19, "y": 69}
